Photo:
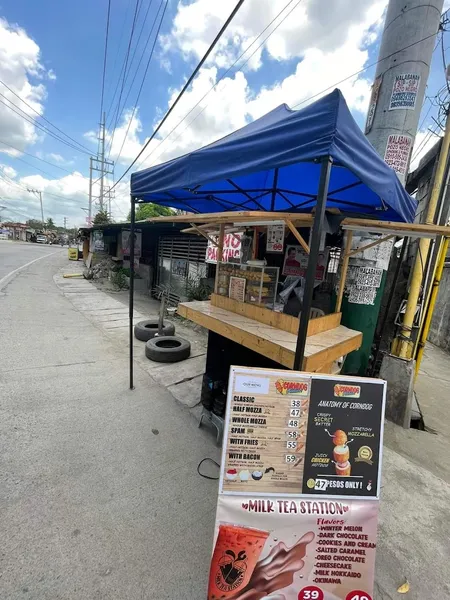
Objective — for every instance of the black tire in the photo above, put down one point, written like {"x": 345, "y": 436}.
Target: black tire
{"x": 146, "y": 330}
{"x": 168, "y": 349}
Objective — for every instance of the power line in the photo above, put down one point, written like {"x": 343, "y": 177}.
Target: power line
{"x": 142, "y": 54}
{"x": 186, "y": 85}
{"x": 105, "y": 58}
{"x": 139, "y": 63}
{"x": 37, "y": 158}
{"x": 39, "y": 115}
{"x": 374, "y": 64}
{"x": 33, "y": 122}
{"x": 223, "y": 76}
{"x": 127, "y": 56}
{"x": 145, "y": 74}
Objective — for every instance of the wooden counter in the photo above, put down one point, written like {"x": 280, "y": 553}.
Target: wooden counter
{"x": 322, "y": 349}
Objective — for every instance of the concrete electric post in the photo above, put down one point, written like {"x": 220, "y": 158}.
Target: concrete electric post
{"x": 397, "y": 96}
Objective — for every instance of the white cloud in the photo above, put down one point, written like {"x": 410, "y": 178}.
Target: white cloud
{"x": 19, "y": 61}
{"x": 297, "y": 27}
{"x": 8, "y": 171}
{"x": 424, "y": 141}
{"x": 51, "y": 74}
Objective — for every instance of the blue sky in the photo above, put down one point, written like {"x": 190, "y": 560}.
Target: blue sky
{"x": 51, "y": 54}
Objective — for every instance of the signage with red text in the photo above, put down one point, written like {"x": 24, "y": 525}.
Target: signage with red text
{"x": 231, "y": 248}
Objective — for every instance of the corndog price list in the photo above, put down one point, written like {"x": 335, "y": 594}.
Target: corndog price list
{"x": 266, "y": 436}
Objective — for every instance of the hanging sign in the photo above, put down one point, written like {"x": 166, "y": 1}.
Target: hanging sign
{"x": 398, "y": 150}
{"x": 373, "y": 103}
{"x": 126, "y": 243}
{"x": 404, "y": 91}
{"x": 275, "y": 238}
{"x": 231, "y": 248}
{"x": 98, "y": 245}
{"x": 237, "y": 288}
{"x": 296, "y": 262}
{"x": 299, "y": 487}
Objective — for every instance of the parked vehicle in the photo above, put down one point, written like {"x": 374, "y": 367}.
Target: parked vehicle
{"x": 41, "y": 239}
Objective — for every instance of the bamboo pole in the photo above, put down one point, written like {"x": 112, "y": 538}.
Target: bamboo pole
{"x": 219, "y": 256}
{"x": 344, "y": 270}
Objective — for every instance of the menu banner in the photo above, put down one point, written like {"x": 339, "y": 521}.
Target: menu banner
{"x": 284, "y": 548}
{"x": 344, "y": 431}
{"x": 295, "y": 433}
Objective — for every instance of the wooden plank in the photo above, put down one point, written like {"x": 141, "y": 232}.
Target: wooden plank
{"x": 321, "y": 349}
{"x": 205, "y": 235}
{"x": 297, "y": 236}
{"x": 367, "y": 246}
{"x": 219, "y": 256}
{"x": 344, "y": 270}
{"x": 234, "y": 216}
{"x": 413, "y": 228}
{"x": 275, "y": 319}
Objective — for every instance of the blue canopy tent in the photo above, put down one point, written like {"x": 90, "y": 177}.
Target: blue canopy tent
{"x": 286, "y": 161}
{"x": 271, "y": 164}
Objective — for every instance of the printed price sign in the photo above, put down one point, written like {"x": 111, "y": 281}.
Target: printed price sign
{"x": 275, "y": 238}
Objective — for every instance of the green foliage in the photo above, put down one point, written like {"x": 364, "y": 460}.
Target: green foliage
{"x": 196, "y": 289}
{"x": 146, "y": 211}
{"x": 34, "y": 224}
{"x": 101, "y": 218}
{"x": 50, "y": 224}
{"x": 119, "y": 279}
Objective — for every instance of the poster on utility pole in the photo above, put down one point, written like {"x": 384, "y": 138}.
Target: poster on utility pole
{"x": 299, "y": 487}
{"x": 404, "y": 91}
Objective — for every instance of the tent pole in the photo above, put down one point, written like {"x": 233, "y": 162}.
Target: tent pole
{"x": 131, "y": 302}
{"x": 312, "y": 261}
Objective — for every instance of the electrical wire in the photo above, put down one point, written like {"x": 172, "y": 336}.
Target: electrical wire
{"x": 186, "y": 85}
{"x": 203, "y": 474}
{"x": 144, "y": 76}
{"x": 33, "y": 122}
{"x": 37, "y": 158}
{"x": 105, "y": 60}
{"x": 39, "y": 115}
{"x": 127, "y": 56}
{"x": 223, "y": 76}
{"x": 140, "y": 60}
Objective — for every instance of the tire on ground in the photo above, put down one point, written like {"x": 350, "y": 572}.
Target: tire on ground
{"x": 168, "y": 349}
{"x": 146, "y": 330}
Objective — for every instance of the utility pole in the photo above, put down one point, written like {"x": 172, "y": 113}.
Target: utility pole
{"x": 401, "y": 79}
{"x": 65, "y": 222}
{"x": 102, "y": 160}
{"x": 90, "y": 192}
{"x": 38, "y": 193}
{"x": 397, "y": 96}
{"x": 99, "y": 164}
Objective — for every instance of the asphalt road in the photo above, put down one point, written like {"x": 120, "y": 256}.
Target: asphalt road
{"x": 15, "y": 255}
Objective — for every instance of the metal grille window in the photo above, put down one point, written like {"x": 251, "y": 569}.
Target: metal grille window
{"x": 180, "y": 259}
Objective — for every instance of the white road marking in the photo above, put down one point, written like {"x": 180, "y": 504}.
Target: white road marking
{"x": 6, "y": 278}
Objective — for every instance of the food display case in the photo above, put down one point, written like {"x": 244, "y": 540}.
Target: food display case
{"x": 259, "y": 282}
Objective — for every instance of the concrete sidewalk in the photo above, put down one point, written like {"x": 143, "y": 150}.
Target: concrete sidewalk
{"x": 111, "y": 315}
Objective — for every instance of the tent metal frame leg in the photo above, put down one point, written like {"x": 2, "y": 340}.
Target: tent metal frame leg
{"x": 131, "y": 298}
{"x": 312, "y": 261}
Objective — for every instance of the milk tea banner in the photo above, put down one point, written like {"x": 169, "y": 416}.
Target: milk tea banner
{"x": 299, "y": 487}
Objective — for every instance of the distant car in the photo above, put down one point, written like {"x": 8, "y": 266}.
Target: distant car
{"x": 41, "y": 239}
